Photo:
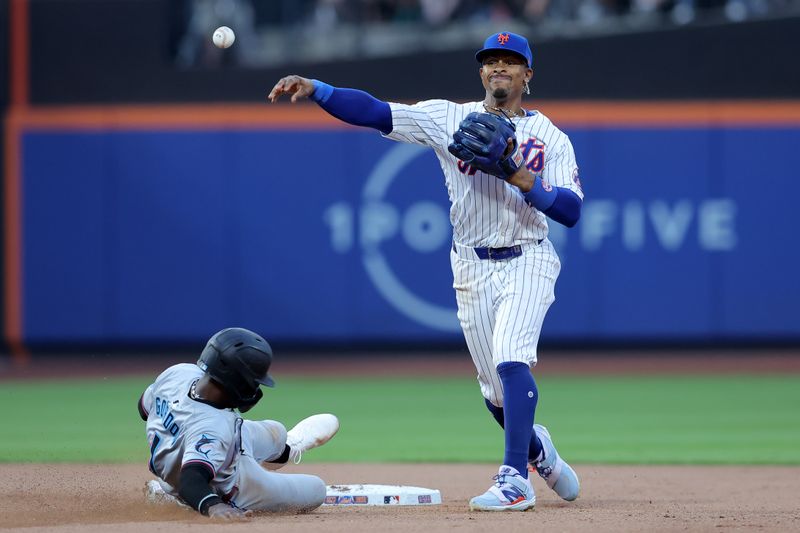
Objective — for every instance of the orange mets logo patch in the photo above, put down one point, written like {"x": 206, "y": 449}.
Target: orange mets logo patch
{"x": 502, "y": 38}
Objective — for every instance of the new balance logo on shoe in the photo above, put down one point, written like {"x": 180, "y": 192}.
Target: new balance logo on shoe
{"x": 510, "y": 492}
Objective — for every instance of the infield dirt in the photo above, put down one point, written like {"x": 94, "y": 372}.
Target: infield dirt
{"x": 100, "y": 498}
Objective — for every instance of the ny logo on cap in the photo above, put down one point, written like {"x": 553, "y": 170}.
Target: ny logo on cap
{"x": 502, "y": 38}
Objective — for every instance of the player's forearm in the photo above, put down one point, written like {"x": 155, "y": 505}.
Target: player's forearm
{"x": 194, "y": 488}
{"x": 558, "y": 203}
{"x": 353, "y": 106}
{"x": 523, "y": 179}
{"x": 566, "y": 209}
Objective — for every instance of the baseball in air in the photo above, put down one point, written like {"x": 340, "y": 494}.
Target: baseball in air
{"x": 224, "y": 37}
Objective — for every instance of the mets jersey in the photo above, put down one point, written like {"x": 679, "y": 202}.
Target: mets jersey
{"x": 183, "y": 431}
{"x": 485, "y": 210}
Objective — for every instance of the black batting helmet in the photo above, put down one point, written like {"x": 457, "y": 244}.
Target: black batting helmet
{"x": 238, "y": 360}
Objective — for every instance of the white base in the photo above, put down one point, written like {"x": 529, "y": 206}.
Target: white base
{"x": 381, "y": 495}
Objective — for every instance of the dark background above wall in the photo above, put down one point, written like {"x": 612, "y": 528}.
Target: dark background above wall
{"x": 114, "y": 61}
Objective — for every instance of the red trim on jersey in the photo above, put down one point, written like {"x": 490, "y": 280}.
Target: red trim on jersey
{"x": 143, "y": 412}
{"x": 201, "y": 462}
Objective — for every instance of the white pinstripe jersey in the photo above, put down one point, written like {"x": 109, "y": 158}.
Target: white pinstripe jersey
{"x": 485, "y": 210}
{"x": 182, "y": 430}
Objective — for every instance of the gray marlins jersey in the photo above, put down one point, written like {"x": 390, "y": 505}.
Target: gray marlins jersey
{"x": 183, "y": 431}
{"x": 487, "y": 211}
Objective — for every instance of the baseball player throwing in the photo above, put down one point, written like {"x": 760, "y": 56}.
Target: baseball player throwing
{"x": 202, "y": 451}
{"x": 507, "y": 169}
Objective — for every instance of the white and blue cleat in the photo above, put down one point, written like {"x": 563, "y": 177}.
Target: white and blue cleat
{"x": 510, "y": 492}
{"x": 554, "y": 470}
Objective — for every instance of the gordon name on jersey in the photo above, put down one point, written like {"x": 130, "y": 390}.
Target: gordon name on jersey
{"x": 183, "y": 430}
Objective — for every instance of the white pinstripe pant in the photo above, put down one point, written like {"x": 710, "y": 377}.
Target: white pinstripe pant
{"x": 501, "y": 307}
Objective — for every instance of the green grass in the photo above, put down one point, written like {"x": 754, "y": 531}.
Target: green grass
{"x": 637, "y": 419}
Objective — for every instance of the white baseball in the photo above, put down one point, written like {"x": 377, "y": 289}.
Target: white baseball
{"x": 224, "y": 37}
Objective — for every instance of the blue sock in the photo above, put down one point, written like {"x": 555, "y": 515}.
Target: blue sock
{"x": 519, "y": 407}
{"x": 497, "y": 412}
{"x": 535, "y": 447}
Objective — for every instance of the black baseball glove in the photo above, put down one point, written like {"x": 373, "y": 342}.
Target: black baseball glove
{"x": 482, "y": 141}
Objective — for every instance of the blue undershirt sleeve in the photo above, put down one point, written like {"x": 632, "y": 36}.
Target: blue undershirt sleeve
{"x": 558, "y": 203}
{"x": 566, "y": 209}
{"x": 353, "y": 106}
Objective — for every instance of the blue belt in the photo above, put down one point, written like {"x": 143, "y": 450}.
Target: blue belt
{"x": 498, "y": 254}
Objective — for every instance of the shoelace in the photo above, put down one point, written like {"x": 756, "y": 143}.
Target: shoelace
{"x": 295, "y": 453}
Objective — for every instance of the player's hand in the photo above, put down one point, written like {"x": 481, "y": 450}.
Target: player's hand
{"x": 510, "y": 147}
{"x": 228, "y": 513}
{"x": 297, "y": 86}
{"x": 488, "y": 143}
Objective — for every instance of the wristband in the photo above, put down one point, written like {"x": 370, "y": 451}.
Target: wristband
{"x": 322, "y": 91}
{"x": 542, "y": 194}
{"x": 208, "y": 501}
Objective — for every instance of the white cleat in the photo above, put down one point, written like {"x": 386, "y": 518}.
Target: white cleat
{"x": 510, "y": 492}
{"x": 310, "y": 433}
{"x": 554, "y": 470}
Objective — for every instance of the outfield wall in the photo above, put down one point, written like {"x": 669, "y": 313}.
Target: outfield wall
{"x": 163, "y": 224}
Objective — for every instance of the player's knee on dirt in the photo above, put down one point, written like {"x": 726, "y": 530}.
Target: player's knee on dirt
{"x": 313, "y": 491}
{"x": 317, "y": 492}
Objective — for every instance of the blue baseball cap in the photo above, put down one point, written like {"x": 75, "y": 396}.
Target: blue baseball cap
{"x": 510, "y": 42}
